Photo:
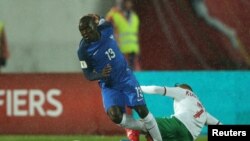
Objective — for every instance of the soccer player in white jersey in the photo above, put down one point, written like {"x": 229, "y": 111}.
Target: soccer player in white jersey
{"x": 189, "y": 116}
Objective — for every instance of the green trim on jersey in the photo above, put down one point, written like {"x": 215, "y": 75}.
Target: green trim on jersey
{"x": 173, "y": 129}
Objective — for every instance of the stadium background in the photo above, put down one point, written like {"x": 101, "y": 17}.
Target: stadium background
{"x": 176, "y": 47}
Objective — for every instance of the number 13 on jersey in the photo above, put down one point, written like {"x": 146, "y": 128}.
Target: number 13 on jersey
{"x": 110, "y": 53}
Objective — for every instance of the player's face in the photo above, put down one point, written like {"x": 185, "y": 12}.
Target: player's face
{"x": 88, "y": 33}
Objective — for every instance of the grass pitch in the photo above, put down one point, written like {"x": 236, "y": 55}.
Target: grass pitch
{"x": 69, "y": 138}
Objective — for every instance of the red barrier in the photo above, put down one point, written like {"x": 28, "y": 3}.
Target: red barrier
{"x": 52, "y": 104}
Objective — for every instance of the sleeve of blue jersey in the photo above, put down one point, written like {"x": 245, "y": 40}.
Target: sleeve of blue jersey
{"x": 80, "y": 51}
{"x": 106, "y": 29}
{"x": 80, "y": 54}
{"x": 87, "y": 71}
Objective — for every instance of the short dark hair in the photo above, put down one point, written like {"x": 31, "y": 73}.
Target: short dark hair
{"x": 87, "y": 20}
{"x": 185, "y": 86}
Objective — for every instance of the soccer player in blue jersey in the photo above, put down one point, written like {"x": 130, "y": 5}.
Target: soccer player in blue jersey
{"x": 101, "y": 59}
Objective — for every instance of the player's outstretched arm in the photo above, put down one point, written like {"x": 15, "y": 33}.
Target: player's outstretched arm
{"x": 153, "y": 90}
{"x": 211, "y": 120}
{"x": 174, "y": 92}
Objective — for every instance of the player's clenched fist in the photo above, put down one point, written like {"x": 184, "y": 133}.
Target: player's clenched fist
{"x": 106, "y": 70}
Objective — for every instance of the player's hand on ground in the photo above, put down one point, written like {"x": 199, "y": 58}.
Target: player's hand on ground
{"x": 106, "y": 70}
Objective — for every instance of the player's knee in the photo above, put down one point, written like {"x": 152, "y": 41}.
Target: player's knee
{"x": 142, "y": 110}
{"x": 115, "y": 114}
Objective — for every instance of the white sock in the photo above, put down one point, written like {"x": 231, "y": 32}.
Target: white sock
{"x": 129, "y": 122}
{"x": 152, "y": 127}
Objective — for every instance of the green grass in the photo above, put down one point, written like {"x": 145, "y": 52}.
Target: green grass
{"x": 69, "y": 138}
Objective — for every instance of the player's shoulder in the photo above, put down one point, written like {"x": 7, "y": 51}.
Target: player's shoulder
{"x": 105, "y": 26}
{"x": 81, "y": 44}
{"x": 106, "y": 29}
{"x": 190, "y": 93}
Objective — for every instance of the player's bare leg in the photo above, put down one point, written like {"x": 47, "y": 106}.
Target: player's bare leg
{"x": 149, "y": 122}
{"x": 132, "y": 135}
{"x": 126, "y": 121}
{"x": 117, "y": 116}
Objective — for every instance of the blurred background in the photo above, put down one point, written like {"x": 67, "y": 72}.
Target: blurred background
{"x": 201, "y": 42}
{"x": 43, "y": 36}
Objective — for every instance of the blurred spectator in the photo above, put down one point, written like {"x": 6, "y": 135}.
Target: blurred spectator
{"x": 3, "y": 46}
{"x": 126, "y": 23}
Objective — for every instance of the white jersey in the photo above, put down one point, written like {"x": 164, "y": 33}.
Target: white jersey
{"x": 187, "y": 107}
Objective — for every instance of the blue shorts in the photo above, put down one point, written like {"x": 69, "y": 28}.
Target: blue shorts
{"x": 129, "y": 94}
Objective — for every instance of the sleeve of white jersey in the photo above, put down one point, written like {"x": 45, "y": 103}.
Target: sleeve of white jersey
{"x": 153, "y": 90}
{"x": 211, "y": 120}
{"x": 174, "y": 92}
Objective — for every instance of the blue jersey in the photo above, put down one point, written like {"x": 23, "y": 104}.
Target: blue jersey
{"x": 121, "y": 87}
{"x": 96, "y": 55}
